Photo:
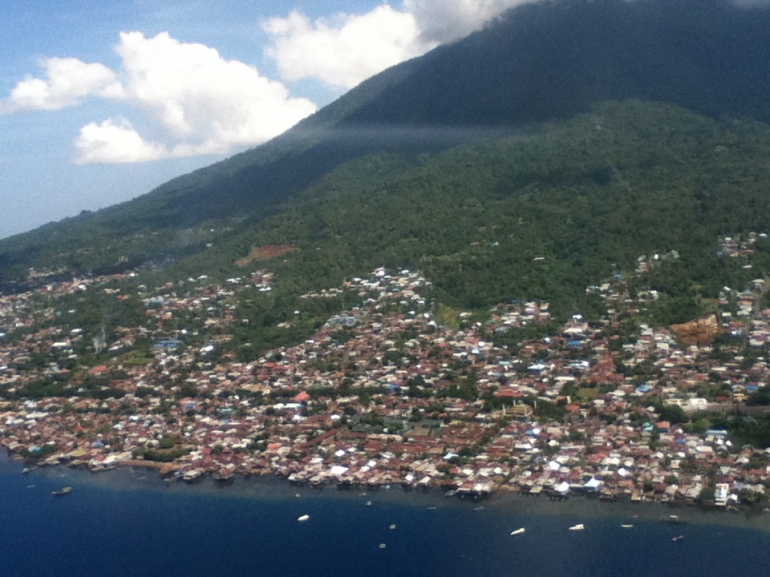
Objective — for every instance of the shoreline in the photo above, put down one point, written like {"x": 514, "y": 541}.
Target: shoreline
{"x": 129, "y": 478}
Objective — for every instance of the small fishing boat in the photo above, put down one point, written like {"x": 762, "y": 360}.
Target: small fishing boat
{"x": 303, "y": 518}
{"x": 518, "y": 531}
{"x": 578, "y": 527}
{"x": 627, "y": 526}
{"x": 678, "y": 538}
{"x": 63, "y": 491}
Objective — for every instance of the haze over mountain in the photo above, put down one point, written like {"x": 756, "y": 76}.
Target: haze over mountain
{"x": 510, "y": 121}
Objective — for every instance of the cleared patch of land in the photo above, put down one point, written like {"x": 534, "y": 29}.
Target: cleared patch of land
{"x": 266, "y": 252}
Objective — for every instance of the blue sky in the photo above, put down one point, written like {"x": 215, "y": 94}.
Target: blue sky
{"x": 102, "y": 100}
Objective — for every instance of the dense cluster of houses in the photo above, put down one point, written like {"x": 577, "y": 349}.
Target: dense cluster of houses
{"x": 386, "y": 393}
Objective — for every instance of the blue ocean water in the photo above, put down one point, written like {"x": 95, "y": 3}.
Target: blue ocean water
{"x": 131, "y": 523}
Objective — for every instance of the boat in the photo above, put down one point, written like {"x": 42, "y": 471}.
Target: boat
{"x": 518, "y": 531}
{"x": 193, "y": 475}
{"x": 303, "y": 518}
{"x": 627, "y": 526}
{"x": 578, "y": 527}
{"x": 223, "y": 477}
{"x": 392, "y": 527}
{"x": 63, "y": 491}
{"x": 673, "y": 519}
{"x": 678, "y": 538}
{"x": 382, "y": 545}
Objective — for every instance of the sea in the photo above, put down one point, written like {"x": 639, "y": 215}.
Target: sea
{"x": 130, "y": 522}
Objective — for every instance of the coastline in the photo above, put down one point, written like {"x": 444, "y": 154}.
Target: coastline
{"x": 141, "y": 476}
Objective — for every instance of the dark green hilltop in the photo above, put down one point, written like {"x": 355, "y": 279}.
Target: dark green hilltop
{"x": 544, "y": 153}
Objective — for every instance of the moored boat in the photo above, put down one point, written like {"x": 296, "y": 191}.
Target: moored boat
{"x": 518, "y": 531}
{"x": 223, "y": 477}
{"x": 193, "y": 475}
{"x": 62, "y": 491}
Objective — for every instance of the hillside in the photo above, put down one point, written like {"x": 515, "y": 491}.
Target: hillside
{"x": 537, "y": 216}
{"x": 505, "y": 137}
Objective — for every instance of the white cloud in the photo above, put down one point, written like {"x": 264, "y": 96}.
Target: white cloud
{"x": 196, "y": 94}
{"x": 203, "y": 103}
{"x": 200, "y": 103}
{"x": 346, "y": 49}
{"x": 67, "y": 82}
{"x": 448, "y": 20}
{"x": 115, "y": 141}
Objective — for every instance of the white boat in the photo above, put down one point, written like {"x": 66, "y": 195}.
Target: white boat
{"x": 578, "y": 527}
{"x": 518, "y": 531}
{"x": 193, "y": 475}
{"x": 303, "y": 518}
{"x": 393, "y": 527}
{"x": 627, "y": 526}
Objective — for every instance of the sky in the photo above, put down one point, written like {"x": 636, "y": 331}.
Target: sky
{"x": 103, "y": 100}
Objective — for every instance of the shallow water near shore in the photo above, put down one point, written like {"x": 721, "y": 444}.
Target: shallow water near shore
{"x": 130, "y": 522}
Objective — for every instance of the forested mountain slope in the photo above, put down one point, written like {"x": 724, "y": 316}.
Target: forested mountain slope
{"x": 537, "y": 215}
{"x": 531, "y": 158}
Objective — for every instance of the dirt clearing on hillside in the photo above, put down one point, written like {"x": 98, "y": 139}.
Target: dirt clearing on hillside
{"x": 266, "y": 252}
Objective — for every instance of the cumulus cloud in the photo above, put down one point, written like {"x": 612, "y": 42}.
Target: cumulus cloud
{"x": 204, "y": 103}
{"x": 195, "y": 93}
{"x": 67, "y": 81}
{"x": 344, "y": 50}
{"x": 115, "y": 141}
{"x": 446, "y": 21}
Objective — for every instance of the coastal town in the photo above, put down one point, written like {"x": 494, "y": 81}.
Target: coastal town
{"x": 394, "y": 391}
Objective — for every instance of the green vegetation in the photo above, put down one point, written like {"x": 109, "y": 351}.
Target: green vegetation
{"x": 540, "y": 216}
{"x": 536, "y": 216}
